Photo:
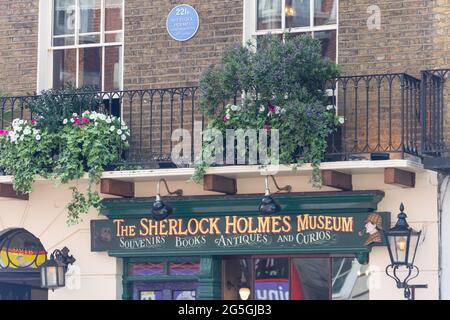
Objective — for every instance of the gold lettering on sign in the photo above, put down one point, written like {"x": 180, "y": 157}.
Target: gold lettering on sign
{"x": 328, "y": 223}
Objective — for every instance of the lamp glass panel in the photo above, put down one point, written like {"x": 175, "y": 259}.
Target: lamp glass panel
{"x": 413, "y": 242}
{"x": 52, "y": 276}
{"x": 61, "y": 277}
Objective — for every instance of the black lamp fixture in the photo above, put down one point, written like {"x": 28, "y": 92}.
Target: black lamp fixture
{"x": 268, "y": 205}
{"x": 160, "y": 209}
{"x": 402, "y": 243}
{"x": 53, "y": 271}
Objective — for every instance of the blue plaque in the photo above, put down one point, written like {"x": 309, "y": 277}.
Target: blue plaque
{"x": 182, "y": 22}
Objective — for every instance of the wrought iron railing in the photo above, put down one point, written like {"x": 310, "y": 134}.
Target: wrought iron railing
{"x": 386, "y": 116}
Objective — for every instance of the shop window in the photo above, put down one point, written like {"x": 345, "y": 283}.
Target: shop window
{"x": 316, "y": 18}
{"x": 294, "y": 278}
{"x": 162, "y": 278}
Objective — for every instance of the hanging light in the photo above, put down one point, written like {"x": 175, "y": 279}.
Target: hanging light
{"x": 268, "y": 205}
{"x": 53, "y": 271}
{"x": 402, "y": 243}
{"x": 160, "y": 209}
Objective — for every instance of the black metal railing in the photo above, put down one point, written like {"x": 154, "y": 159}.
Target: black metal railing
{"x": 386, "y": 116}
{"x": 435, "y": 87}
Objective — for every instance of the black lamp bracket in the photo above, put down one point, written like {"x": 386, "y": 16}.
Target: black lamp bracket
{"x": 177, "y": 192}
{"x": 287, "y": 188}
{"x": 63, "y": 256}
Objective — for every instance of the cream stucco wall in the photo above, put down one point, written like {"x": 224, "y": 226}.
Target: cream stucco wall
{"x": 100, "y": 275}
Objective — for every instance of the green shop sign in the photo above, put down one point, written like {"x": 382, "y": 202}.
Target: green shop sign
{"x": 309, "y": 222}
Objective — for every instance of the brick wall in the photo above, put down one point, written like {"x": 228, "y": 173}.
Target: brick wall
{"x": 154, "y": 59}
{"x": 18, "y": 46}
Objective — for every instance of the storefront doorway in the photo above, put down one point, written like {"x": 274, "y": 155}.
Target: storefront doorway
{"x": 294, "y": 277}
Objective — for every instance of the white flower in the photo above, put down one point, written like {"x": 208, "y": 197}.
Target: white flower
{"x": 124, "y": 128}
{"x": 102, "y": 117}
{"x": 124, "y": 137}
{"x": 96, "y": 124}
{"x": 262, "y": 108}
{"x": 108, "y": 120}
{"x": 86, "y": 113}
{"x": 74, "y": 115}
{"x": 65, "y": 121}
{"x": 283, "y": 110}
{"x": 119, "y": 132}
{"x": 112, "y": 128}
{"x": 36, "y": 131}
{"x": 22, "y": 137}
{"x": 330, "y": 107}
{"x": 341, "y": 120}
{"x": 38, "y": 137}
{"x": 27, "y": 131}
{"x": 71, "y": 120}
{"x": 18, "y": 129}
{"x": 127, "y": 133}
{"x": 92, "y": 116}
{"x": 234, "y": 108}
{"x": 277, "y": 110}
{"x": 21, "y": 122}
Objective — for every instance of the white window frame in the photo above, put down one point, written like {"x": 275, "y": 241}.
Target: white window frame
{"x": 250, "y": 24}
{"x": 46, "y": 48}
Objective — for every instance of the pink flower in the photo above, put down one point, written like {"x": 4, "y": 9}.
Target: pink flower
{"x": 226, "y": 118}
{"x": 77, "y": 121}
{"x": 86, "y": 120}
{"x": 271, "y": 108}
{"x": 2, "y": 132}
{"x": 33, "y": 122}
{"x": 81, "y": 127}
{"x": 267, "y": 126}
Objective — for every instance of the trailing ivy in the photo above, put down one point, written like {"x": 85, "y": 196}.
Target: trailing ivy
{"x": 64, "y": 147}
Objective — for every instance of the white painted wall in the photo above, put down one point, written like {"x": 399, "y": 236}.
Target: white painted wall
{"x": 445, "y": 237}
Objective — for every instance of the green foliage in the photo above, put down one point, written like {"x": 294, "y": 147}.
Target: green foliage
{"x": 283, "y": 87}
{"x": 52, "y": 106}
{"x": 84, "y": 143}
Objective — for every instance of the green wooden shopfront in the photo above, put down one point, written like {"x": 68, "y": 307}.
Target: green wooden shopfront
{"x": 217, "y": 247}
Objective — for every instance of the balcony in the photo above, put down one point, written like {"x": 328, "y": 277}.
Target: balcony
{"x": 387, "y": 116}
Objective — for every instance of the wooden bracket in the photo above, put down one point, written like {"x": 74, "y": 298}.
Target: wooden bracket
{"x": 117, "y": 188}
{"x": 212, "y": 182}
{"x": 400, "y": 177}
{"x": 336, "y": 179}
{"x": 7, "y": 191}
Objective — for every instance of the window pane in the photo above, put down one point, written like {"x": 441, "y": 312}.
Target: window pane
{"x": 92, "y": 38}
{"x": 237, "y": 275}
{"x": 90, "y": 16}
{"x": 325, "y": 12}
{"x": 269, "y": 14}
{"x": 349, "y": 280}
{"x": 113, "y": 66}
{"x": 272, "y": 279}
{"x": 298, "y": 13}
{"x": 184, "y": 295}
{"x": 310, "y": 279}
{"x": 63, "y": 41}
{"x": 146, "y": 269}
{"x": 184, "y": 269}
{"x": 63, "y": 17}
{"x": 64, "y": 67}
{"x": 90, "y": 67}
{"x": 113, "y": 37}
{"x": 328, "y": 42}
{"x": 113, "y": 15}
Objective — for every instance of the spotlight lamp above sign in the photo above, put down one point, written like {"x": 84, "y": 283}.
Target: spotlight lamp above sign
{"x": 268, "y": 204}
{"x": 402, "y": 243}
{"x": 53, "y": 271}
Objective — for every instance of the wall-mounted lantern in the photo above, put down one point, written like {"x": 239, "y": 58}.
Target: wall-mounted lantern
{"x": 53, "y": 271}
{"x": 402, "y": 243}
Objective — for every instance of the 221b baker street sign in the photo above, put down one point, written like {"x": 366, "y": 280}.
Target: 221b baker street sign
{"x": 231, "y": 234}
